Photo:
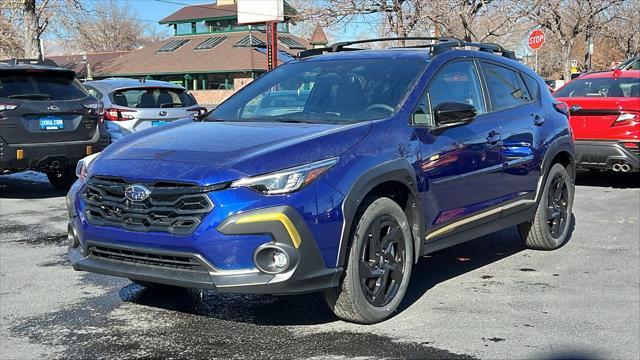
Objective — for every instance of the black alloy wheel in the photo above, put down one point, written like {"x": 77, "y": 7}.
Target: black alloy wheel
{"x": 557, "y": 206}
{"x": 382, "y": 261}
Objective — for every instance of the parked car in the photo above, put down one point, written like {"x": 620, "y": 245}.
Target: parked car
{"x": 632, "y": 63}
{"x": 48, "y": 120}
{"x": 395, "y": 154}
{"x": 605, "y": 117}
{"x": 132, "y": 105}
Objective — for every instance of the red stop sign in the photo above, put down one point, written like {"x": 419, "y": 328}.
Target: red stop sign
{"x": 536, "y": 39}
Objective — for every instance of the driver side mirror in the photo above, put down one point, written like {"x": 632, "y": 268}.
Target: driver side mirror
{"x": 449, "y": 114}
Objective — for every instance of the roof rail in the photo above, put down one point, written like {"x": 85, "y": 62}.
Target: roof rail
{"x": 438, "y": 46}
{"x": 45, "y": 62}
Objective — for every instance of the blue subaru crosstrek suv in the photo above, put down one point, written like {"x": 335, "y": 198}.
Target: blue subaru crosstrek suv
{"x": 335, "y": 172}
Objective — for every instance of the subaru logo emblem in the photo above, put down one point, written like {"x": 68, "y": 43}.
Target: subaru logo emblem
{"x": 575, "y": 108}
{"x": 53, "y": 108}
{"x": 137, "y": 192}
{"x": 162, "y": 113}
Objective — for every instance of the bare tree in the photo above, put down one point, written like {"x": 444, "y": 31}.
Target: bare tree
{"x": 567, "y": 20}
{"x": 401, "y": 17}
{"x": 110, "y": 26}
{"x": 10, "y": 40}
{"x": 474, "y": 20}
{"x": 623, "y": 31}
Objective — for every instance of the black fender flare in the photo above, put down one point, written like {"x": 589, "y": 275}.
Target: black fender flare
{"x": 398, "y": 170}
{"x": 562, "y": 144}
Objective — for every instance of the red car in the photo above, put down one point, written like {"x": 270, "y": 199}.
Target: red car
{"x": 605, "y": 118}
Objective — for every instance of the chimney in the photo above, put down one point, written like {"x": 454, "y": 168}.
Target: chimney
{"x": 225, "y": 2}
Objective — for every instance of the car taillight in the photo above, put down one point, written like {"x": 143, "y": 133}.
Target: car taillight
{"x": 561, "y": 108}
{"x": 97, "y": 109}
{"x": 118, "y": 114}
{"x": 7, "y": 106}
{"x": 625, "y": 119}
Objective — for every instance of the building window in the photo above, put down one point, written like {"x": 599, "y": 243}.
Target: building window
{"x": 291, "y": 43}
{"x": 183, "y": 29}
{"x": 201, "y": 27}
{"x": 211, "y": 42}
{"x": 173, "y": 45}
{"x": 249, "y": 40}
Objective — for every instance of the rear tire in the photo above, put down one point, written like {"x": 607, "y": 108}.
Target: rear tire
{"x": 552, "y": 223}
{"x": 64, "y": 179}
{"x": 378, "y": 267}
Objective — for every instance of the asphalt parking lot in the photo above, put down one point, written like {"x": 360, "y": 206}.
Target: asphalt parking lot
{"x": 489, "y": 298}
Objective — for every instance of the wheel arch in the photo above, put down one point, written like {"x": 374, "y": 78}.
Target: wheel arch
{"x": 395, "y": 179}
{"x": 561, "y": 151}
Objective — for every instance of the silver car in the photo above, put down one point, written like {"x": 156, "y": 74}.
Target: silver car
{"x": 132, "y": 105}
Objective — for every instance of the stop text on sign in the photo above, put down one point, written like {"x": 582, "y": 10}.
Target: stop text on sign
{"x": 536, "y": 39}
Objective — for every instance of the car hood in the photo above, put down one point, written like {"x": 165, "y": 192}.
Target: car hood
{"x": 213, "y": 152}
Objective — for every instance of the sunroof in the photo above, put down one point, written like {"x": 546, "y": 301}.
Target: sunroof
{"x": 249, "y": 41}
{"x": 211, "y": 42}
{"x": 173, "y": 45}
{"x": 290, "y": 43}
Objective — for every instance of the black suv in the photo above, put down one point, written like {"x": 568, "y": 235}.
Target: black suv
{"x": 48, "y": 120}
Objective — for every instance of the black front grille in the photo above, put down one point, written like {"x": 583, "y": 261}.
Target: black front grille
{"x": 175, "y": 208}
{"x": 146, "y": 258}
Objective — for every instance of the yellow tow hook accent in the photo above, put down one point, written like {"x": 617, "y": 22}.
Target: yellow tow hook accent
{"x": 282, "y": 218}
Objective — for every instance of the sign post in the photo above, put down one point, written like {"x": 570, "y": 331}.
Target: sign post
{"x": 535, "y": 41}
{"x": 268, "y": 12}
{"x": 272, "y": 44}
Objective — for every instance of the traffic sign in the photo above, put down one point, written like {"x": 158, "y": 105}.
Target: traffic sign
{"x": 536, "y": 39}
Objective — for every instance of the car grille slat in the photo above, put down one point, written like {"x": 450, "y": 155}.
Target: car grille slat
{"x": 182, "y": 262}
{"x": 170, "y": 208}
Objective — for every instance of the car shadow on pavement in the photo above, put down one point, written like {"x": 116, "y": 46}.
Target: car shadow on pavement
{"x": 452, "y": 262}
{"x": 309, "y": 309}
{"x": 29, "y": 185}
{"x": 608, "y": 179}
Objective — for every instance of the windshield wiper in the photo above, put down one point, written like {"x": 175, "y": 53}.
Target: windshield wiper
{"x": 294, "y": 121}
{"x": 30, "y": 96}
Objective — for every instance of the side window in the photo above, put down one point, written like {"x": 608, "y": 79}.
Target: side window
{"x": 456, "y": 82}
{"x": 421, "y": 115}
{"x": 94, "y": 92}
{"x": 532, "y": 86}
{"x": 504, "y": 87}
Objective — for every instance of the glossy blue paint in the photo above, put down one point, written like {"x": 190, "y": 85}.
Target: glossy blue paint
{"x": 458, "y": 172}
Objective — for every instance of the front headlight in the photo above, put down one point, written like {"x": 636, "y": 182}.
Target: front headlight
{"x": 286, "y": 181}
{"x": 83, "y": 166}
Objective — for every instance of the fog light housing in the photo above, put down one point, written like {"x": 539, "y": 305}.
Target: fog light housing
{"x": 272, "y": 259}
{"x": 72, "y": 237}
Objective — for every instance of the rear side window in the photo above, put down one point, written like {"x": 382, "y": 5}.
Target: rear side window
{"x": 504, "y": 87}
{"x": 151, "y": 98}
{"x": 40, "y": 86}
{"x": 532, "y": 86}
{"x": 601, "y": 87}
{"x": 94, "y": 92}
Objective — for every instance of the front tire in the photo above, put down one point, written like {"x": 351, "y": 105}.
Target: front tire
{"x": 378, "y": 268}
{"x": 62, "y": 180}
{"x": 551, "y": 225}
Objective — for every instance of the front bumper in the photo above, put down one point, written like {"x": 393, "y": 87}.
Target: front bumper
{"x": 603, "y": 155}
{"x": 306, "y": 271}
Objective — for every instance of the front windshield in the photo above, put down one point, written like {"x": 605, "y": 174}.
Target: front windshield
{"x": 331, "y": 91}
{"x": 601, "y": 87}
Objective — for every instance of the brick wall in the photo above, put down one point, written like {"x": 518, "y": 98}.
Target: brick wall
{"x": 214, "y": 97}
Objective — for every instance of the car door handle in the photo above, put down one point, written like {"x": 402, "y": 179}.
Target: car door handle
{"x": 538, "y": 119}
{"x": 493, "y": 138}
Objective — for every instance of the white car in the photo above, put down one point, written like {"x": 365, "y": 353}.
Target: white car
{"x": 132, "y": 105}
